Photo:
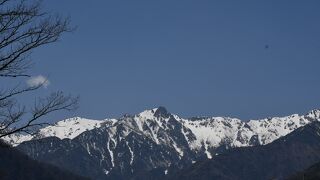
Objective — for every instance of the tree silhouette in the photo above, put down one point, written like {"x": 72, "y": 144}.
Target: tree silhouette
{"x": 23, "y": 28}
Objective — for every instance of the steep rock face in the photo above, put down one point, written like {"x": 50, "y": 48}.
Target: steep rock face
{"x": 154, "y": 140}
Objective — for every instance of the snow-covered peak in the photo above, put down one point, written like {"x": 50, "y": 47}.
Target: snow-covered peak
{"x": 313, "y": 114}
{"x": 147, "y": 114}
{"x": 70, "y": 128}
{"x": 160, "y": 112}
{"x": 271, "y": 129}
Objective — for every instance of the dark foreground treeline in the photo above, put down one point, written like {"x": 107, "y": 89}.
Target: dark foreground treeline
{"x": 17, "y": 166}
{"x": 312, "y": 173}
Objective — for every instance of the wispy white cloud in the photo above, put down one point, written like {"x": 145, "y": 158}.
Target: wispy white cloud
{"x": 37, "y": 80}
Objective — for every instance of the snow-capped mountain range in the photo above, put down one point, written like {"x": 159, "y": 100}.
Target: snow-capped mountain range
{"x": 152, "y": 139}
{"x": 208, "y": 131}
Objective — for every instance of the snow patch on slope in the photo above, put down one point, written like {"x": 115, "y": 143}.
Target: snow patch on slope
{"x": 131, "y": 152}
{"x": 16, "y": 139}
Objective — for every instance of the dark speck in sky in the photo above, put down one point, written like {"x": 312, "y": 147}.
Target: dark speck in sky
{"x": 196, "y": 58}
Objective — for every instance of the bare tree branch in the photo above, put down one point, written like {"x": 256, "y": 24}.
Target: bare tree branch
{"x": 24, "y": 28}
{"x": 43, "y": 106}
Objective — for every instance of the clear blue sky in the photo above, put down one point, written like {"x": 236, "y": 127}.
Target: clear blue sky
{"x": 201, "y": 57}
